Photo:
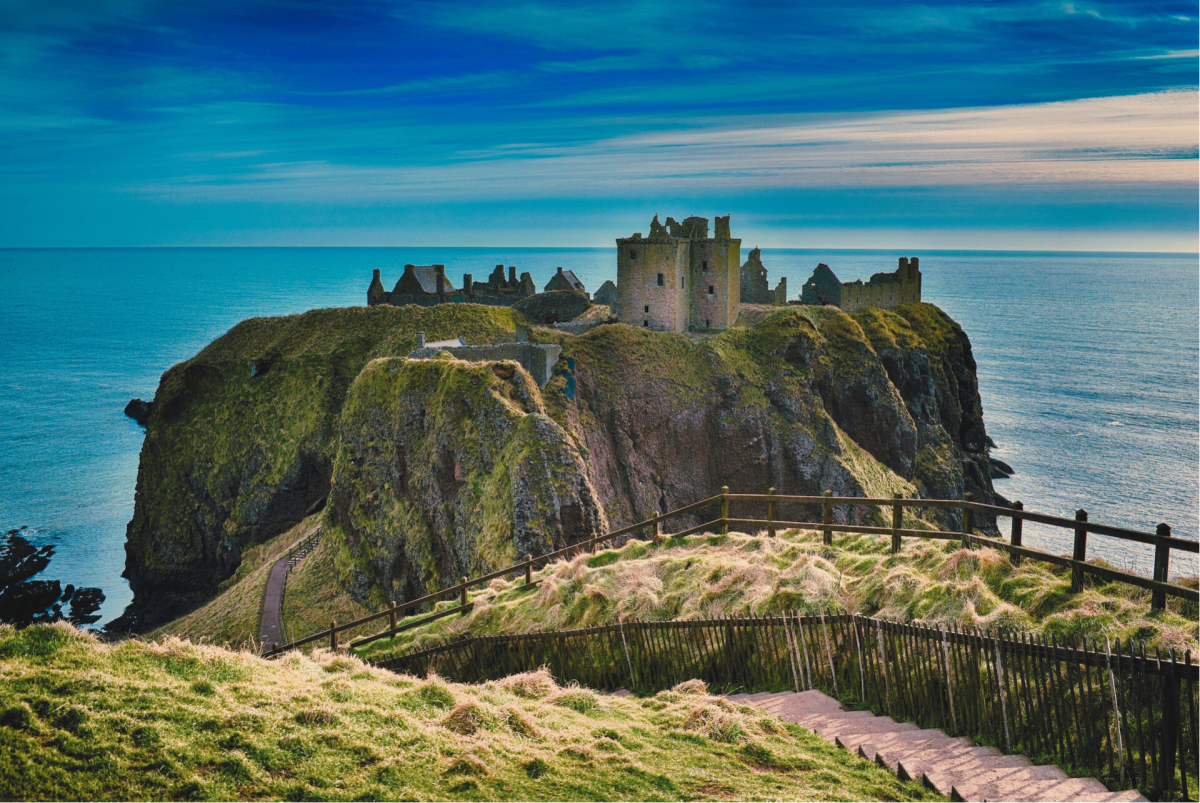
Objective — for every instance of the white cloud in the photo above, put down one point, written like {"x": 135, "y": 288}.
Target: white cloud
{"x": 1148, "y": 139}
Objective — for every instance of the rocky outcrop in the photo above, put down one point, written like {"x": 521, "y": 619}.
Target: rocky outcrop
{"x": 139, "y": 411}
{"x": 239, "y": 444}
{"x": 449, "y": 468}
{"x": 809, "y": 399}
{"x": 438, "y": 468}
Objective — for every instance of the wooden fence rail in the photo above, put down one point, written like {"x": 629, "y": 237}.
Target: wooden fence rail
{"x": 1111, "y": 711}
{"x": 1162, "y": 540}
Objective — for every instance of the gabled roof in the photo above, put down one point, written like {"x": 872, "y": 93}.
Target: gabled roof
{"x": 565, "y": 280}
{"x": 427, "y": 275}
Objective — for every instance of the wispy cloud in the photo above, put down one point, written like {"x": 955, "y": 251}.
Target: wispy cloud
{"x": 1148, "y": 139}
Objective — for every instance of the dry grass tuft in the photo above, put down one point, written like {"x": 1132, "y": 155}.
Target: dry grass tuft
{"x": 531, "y": 685}
{"x": 466, "y": 719}
{"x": 694, "y": 686}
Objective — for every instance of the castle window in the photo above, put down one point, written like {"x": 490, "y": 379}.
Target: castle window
{"x": 706, "y": 326}
{"x": 660, "y": 280}
{"x": 710, "y": 289}
{"x": 632, "y": 254}
{"x": 645, "y": 323}
{"x": 683, "y": 281}
{"x": 647, "y": 309}
{"x": 704, "y": 264}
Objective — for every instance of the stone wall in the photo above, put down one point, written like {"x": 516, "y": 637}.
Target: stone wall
{"x": 536, "y": 358}
{"x": 883, "y": 291}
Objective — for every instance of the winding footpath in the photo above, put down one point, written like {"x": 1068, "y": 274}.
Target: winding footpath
{"x": 270, "y": 623}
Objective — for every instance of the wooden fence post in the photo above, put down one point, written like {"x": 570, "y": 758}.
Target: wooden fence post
{"x": 392, "y": 619}
{"x": 1162, "y": 559}
{"x": 897, "y": 521}
{"x": 827, "y": 519}
{"x": 968, "y": 526}
{"x": 463, "y": 597}
{"x": 528, "y": 569}
{"x": 724, "y": 510}
{"x": 1017, "y": 523}
{"x": 770, "y": 513}
{"x": 1080, "y": 551}
{"x": 657, "y": 527}
{"x": 333, "y": 636}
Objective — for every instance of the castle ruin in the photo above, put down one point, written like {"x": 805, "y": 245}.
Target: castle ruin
{"x": 426, "y": 285}
{"x": 884, "y": 290}
{"x": 755, "y": 287}
{"x": 679, "y": 278}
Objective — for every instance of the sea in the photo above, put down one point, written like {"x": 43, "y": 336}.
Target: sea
{"x": 1088, "y": 364}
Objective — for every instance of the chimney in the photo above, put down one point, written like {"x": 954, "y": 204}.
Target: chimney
{"x": 375, "y": 273}
{"x": 913, "y": 263}
{"x": 468, "y": 285}
{"x": 420, "y": 340}
{"x": 512, "y": 274}
{"x": 560, "y": 269}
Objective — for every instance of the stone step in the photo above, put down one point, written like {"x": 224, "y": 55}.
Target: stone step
{"x": 940, "y": 775}
{"x": 1046, "y": 782}
{"x": 887, "y": 754}
{"x": 832, "y": 716}
{"x": 876, "y": 741}
{"x": 951, "y": 766}
{"x": 862, "y": 727}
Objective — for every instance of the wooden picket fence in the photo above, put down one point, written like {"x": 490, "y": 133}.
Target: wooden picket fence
{"x": 1159, "y": 585}
{"x": 1110, "y": 711}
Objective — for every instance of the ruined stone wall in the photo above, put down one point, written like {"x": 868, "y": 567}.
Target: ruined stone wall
{"x": 645, "y": 302}
{"x": 885, "y": 290}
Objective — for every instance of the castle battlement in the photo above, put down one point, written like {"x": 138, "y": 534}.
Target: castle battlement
{"x": 884, "y": 290}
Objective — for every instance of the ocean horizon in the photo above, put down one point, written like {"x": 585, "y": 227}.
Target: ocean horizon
{"x": 1088, "y": 367}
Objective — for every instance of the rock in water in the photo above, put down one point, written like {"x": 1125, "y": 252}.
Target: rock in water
{"x": 139, "y": 410}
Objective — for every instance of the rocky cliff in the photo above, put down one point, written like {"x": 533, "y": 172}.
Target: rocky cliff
{"x": 439, "y": 468}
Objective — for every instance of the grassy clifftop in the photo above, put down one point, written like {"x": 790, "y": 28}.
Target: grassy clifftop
{"x": 240, "y": 440}
{"x": 934, "y": 582}
{"x": 80, "y": 720}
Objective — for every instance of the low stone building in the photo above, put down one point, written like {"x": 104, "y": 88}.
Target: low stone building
{"x": 565, "y": 280}
{"x": 607, "y": 295}
{"x": 884, "y": 290}
{"x": 536, "y": 358}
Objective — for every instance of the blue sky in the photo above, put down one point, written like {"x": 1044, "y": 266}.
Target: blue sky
{"x": 954, "y": 125}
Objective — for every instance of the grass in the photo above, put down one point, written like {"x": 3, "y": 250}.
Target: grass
{"x": 84, "y": 720}
{"x": 706, "y": 575}
{"x": 232, "y": 618}
{"x": 314, "y": 596}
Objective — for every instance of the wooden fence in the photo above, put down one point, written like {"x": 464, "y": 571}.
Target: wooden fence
{"x": 1111, "y": 711}
{"x": 1162, "y": 540}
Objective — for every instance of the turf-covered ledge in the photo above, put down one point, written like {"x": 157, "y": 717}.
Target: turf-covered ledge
{"x": 81, "y": 720}
{"x": 737, "y": 574}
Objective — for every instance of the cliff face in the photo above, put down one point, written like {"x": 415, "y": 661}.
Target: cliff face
{"x": 807, "y": 400}
{"x": 440, "y": 468}
{"x": 448, "y": 469}
{"x": 240, "y": 440}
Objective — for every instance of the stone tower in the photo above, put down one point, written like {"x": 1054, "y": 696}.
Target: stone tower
{"x": 679, "y": 278}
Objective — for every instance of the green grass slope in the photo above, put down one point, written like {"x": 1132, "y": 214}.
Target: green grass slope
{"x": 80, "y": 720}
{"x": 232, "y": 618}
{"x": 708, "y": 575}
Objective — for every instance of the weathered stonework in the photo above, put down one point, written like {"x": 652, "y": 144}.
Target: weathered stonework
{"x": 883, "y": 291}
{"x": 756, "y": 289}
{"x": 565, "y": 280}
{"x": 679, "y": 278}
{"x": 607, "y": 295}
{"x": 426, "y": 285}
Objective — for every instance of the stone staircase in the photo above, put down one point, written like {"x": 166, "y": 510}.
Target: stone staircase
{"x": 954, "y": 767}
